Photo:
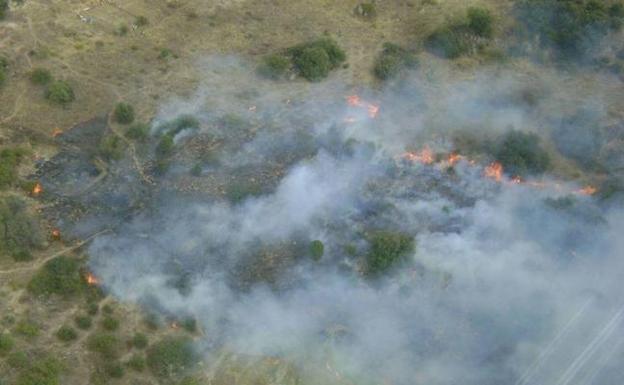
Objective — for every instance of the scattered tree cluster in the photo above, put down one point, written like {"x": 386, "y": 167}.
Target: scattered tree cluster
{"x": 521, "y": 154}
{"x": 569, "y": 27}
{"x": 392, "y": 60}
{"x": 21, "y": 231}
{"x": 386, "y": 249}
{"x": 312, "y": 60}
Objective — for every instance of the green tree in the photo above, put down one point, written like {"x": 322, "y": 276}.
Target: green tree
{"x": 317, "y": 249}
{"x": 386, "y": 248}
{"x": 60, "y": 92}
{"x": 124, "y": 113}
{"x": 170, "y": 357}
{"x": 521, "y": 154}
{"x": 480, "y": 22}
{"x": 60, "y": 276}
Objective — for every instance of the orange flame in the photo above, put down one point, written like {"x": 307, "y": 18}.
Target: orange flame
{"x": 424, "y": 156}
{"x": 373, "y": 110}
{"x": 354, "y": 100}
{"x": 516, "y": 179}
{"x": 494, "y": 171}
{"x": 588, "y": 190}
{"x": 453, "y": 158}
{"x": 37, "y": 189}
{"x": 56, "y": 132}
{"x": 92, "y": 279}
{"x": 56, "y": 234}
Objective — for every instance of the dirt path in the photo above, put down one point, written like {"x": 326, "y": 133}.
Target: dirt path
{"x": 41, "y": 262}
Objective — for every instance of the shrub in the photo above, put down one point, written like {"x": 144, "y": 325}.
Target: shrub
{"x": 392, "y": 60}
{"x": 122, "y": 30}
{"x": 196, "y": 170}
{"x": 480, "y": 22}
{"x": 386, "y": 249}
{"x": 366, "y": 10}
{"x": 22, "y": 256}
{"x": 20, "y": 230}
{"x": 138, "y": 131}
{"x": 92, "y": 308}
{"x": 40, "y": 76}
{"x": 114, "y": 369}
{"x": 170, "y": 357}
{"x": 6, "y": 343}
{"x": 83, "y": 322}
{"x": 182, "y": 122}
{"x": 238, "y": 191}
{"x": 2, "y": 75}
{"x": 18, "y": 360}
{"x": 274, "y": 66}
{"x": 449, "y": 42}
{"x": 10, "y": 158}
{"x": 124, "y": 113}
{"x": 111, "y": 147}
{"x": 27, "y": 328}
{"x": 109, "y": 323}
{"x": 106, "y": 345}
{"x": 60, "y": 275}
{"x": 165, "y": 147}
{"x": 4, "y": 8}
{"x": 190, "y": 324}
{"x": 107, "y": 309}
{"x": 317, "y": 249}
{"x": 60, "y": 92}
{"x": 136, "y": 362}
{"x": 521, "y": 154}
{"x": 141, "y": 21}
{"x": 139, "y": 341}
{"x": 66, "y": 333}
{"x": 315, "y": 59}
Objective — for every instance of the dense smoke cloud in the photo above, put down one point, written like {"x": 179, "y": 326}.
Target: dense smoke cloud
{"x": 507, "y": 284}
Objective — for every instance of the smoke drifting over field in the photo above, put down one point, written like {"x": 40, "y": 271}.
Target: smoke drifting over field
{"x": 508, "y": 283}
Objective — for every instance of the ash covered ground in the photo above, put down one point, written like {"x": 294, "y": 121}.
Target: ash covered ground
{"x": 498, "y": 278}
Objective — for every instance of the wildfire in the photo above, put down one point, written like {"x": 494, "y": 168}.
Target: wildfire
{"x": 174, "y": 325}
{"x": 371, "y": 108}
{"x": 424, "y": 156}
{"x": 56, "y": 132}
{"x": 494, "y": 171}
{"x": 56, "y": 234}
{"x": 37, "y": 189}
{"x": 588, "y": 190}
{"x": 516, "y": 180}
{"x": 453, "y": 158}
{"x": 91, "y": 279}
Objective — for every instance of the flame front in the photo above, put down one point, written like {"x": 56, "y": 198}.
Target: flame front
{"x": 56, "y": 132}
{"x": 494, "y": 171}
{"x": 371, "y": 108}
{"x": 91, "y": 279}
{"x": 56, "y": 234}
{"x": 588, "y": 190}
{"x": 424, "y": 156}
{"x": 37, "y": 189}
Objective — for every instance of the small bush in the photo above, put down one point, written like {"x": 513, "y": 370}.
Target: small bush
{"x": 165, "y": 147}
{"x": 18, "y": 360}
{"x": 92, "y": 308}
{"x": 139, "y": 341}
{"x": 22, "y": 256}
{"x": 196, "y": 170}
{"x": 366, "y": 10}
{"x": 83, "y": 322}
{"x": 40, "y": 76}
{"x": 124, "y": 113}
{"x": 2, "y": 76}
{"x": 109, "y": 323}
{"x": 190, "y": 324}
{"x": 170, "y": 357}
{"x": 136, "y": 363}
{"x": 449, "y": 42}
{"x": 27, "y": 328}
{"x": 392, "y": 60}
{"x": 60, "y": 92}
{"x": 317, "y": 249}
{"x": 106, "y": 345}
{"x": 122, "y": 30}
{"x": 6, "y": 343}
{"x": 138, "y": 131}
{"x": 107, "y": 309}
{"x": 111, "y": 147}
{"x": 274, "y": 66}
{"x": 60, "y": 276}
{"x": 141, "y": 21}
{"x": 114, "y": 369}
{"x": 386, "y": 249}
{"x": 521, "y": 154}
{"x": 480, "y": 22}
{"x": 66, "y": 334}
